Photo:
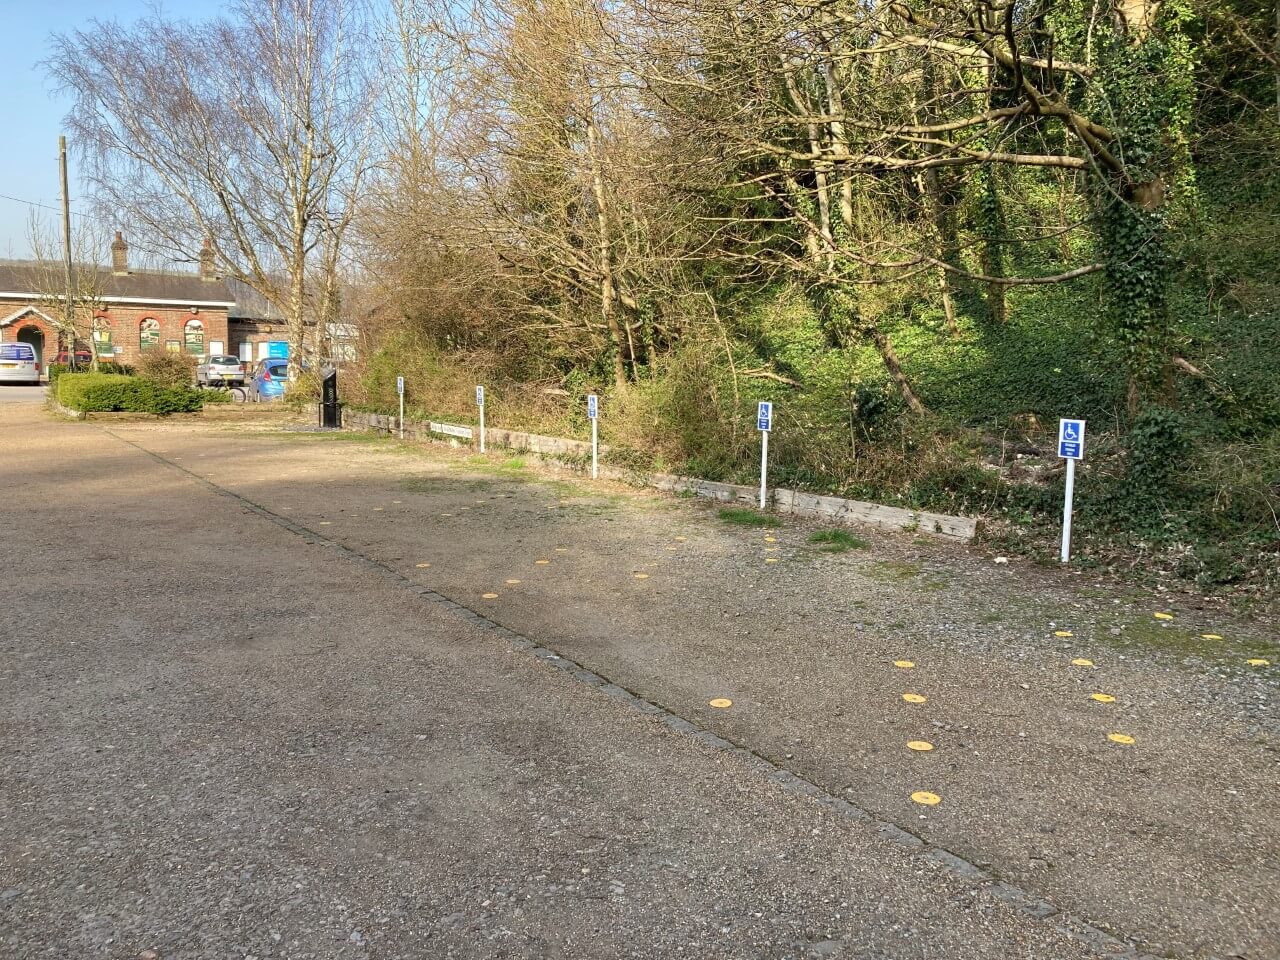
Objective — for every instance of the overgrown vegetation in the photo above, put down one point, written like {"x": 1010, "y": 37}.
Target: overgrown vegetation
{"x": 925, "y": 231}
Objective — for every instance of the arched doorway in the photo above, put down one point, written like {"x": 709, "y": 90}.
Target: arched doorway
{"x": 34, "y": 336}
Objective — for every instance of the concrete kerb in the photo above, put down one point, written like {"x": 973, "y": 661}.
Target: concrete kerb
{"x": 795, "y": 502}
{"x": 1016, "y": 897}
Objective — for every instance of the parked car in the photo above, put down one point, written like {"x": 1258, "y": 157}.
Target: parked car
{"x": 269, "y": 380}
{"x": 83, "y": 358}
{"x": 220, "y": 369}
{"x": 18, "y": 364}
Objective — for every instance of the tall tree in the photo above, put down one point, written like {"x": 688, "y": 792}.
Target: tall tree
{"x": 249, "y": 131}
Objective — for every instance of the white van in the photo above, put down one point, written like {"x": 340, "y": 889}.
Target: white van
{"x": 18, "y": 364}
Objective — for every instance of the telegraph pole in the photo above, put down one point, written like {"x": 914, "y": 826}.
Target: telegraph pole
{"x": 68, "y": 315}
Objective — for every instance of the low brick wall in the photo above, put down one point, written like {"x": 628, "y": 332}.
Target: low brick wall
{"x": 795, "y": 502}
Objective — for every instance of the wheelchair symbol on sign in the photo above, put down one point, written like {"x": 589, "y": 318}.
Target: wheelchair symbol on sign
{"x": 1070, "y": 431}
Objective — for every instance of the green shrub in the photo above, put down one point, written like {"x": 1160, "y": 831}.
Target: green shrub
{"x": 304, "y": 391}
{"x": 167, "y": 369}
{"x": 56, "y": 370}
{"x": 214, "y": 396}
{"x": 107, "y": 392}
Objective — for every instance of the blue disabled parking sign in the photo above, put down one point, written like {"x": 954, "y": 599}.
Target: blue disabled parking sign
{"x": 764, "y": 416}
{"x": 1071, "y": 439}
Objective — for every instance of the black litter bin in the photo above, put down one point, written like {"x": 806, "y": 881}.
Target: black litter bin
{"x": 330, "y": 412}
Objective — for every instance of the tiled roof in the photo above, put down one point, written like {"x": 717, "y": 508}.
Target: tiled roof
{"x": 40, "y": 280}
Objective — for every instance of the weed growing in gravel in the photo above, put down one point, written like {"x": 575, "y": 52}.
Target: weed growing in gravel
{"x": 838, "y": 541}
{"x": 742, "y": 517}
{"x": 892, "y": 571}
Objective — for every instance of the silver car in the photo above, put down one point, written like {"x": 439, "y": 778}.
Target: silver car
{"x": 220, "y": 369}
{"x": 18, "y": 364}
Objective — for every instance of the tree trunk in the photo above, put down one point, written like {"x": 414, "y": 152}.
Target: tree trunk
{"x": 608, "y": 291}
{"x": 894, "y": 366}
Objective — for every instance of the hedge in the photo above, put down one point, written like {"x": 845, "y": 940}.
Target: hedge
{"x": 106, "y": 392}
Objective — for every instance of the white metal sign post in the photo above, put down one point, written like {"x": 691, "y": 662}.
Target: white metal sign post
{"x": 400, "y": 390}
{"x": 593, "y": 414}
{"x": 764, "y": 423}
{"x": 480, "y": 404}
{"x": 1071, "y": 449}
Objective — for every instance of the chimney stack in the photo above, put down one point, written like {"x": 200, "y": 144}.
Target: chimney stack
{"x": 206, "y": 262}
{"x": 119, "y": 256}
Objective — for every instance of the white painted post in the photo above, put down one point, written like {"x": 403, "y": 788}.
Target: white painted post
{"x": 480, "y": 401}
{"x": 400, "y": 390}
{"x": 764, "y": 466}
{"x": 1071, "y": 449}
{"x": 764, "y": 423}
{"x": 1066, "y": 511}
{"x": 593, "y": 414}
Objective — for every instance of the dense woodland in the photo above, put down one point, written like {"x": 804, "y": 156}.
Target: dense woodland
{"x": 925, "y": 230}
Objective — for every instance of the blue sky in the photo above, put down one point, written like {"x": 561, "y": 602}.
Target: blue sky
{"x": 29, "y": 166}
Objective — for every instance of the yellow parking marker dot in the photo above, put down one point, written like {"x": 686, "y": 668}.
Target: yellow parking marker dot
{"x": 914, "y": 698}
{"x": 926, "y": 798}
{"x": 721, "y": 703}
{"x": 681, "y": 539}
{"x": 770, "y": 539}
{"x": 482, "y": 501}
{"x": 1258, "y": 662}
{"x": 770, "y": 559}
{"x": 542, "y": 562}
{"x": 1120, "y": 738}
{"x": 1081, "y": 662}
{"x": 1063, "y": 633}
{"x": 489, "y": 596}
{"x": 377, "y": 509}
{"x": 446, "y": 514}
{"x": 562, "y": 549}
{"x": 669, "y": 547}
{"x": 512, "y": 583}
{"x": 423, "y": 566}
{"x": 1210, "y": 636}
{"x": 641, "y": 576}
{"x": 1102, "y": 697}
{"x": 920, "y": 746}
{"x": 397, "y": 501}
{"x": 326, "y": 523}
{"x": 770, "y": 549}
{"x": 903, "y": 664}
{"x": 1160, "y": 615}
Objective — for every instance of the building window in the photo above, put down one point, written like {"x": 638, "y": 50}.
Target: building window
{"x": 148, "y": 334}
{"x": 173, "y": 346}
{"x": 102, "y": 345}
{"x": 193, "y": 337}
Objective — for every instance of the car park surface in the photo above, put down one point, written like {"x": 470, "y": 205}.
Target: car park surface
{"x": 330, "y": 746}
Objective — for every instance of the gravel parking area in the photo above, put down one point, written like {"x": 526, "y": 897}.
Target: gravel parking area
{"x": 239, "y": 720}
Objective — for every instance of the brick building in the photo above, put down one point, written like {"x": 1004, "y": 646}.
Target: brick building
{"x": 133, "y": 311}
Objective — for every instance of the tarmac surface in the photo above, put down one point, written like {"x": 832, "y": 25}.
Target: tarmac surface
{"x": 269, "y": 694}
